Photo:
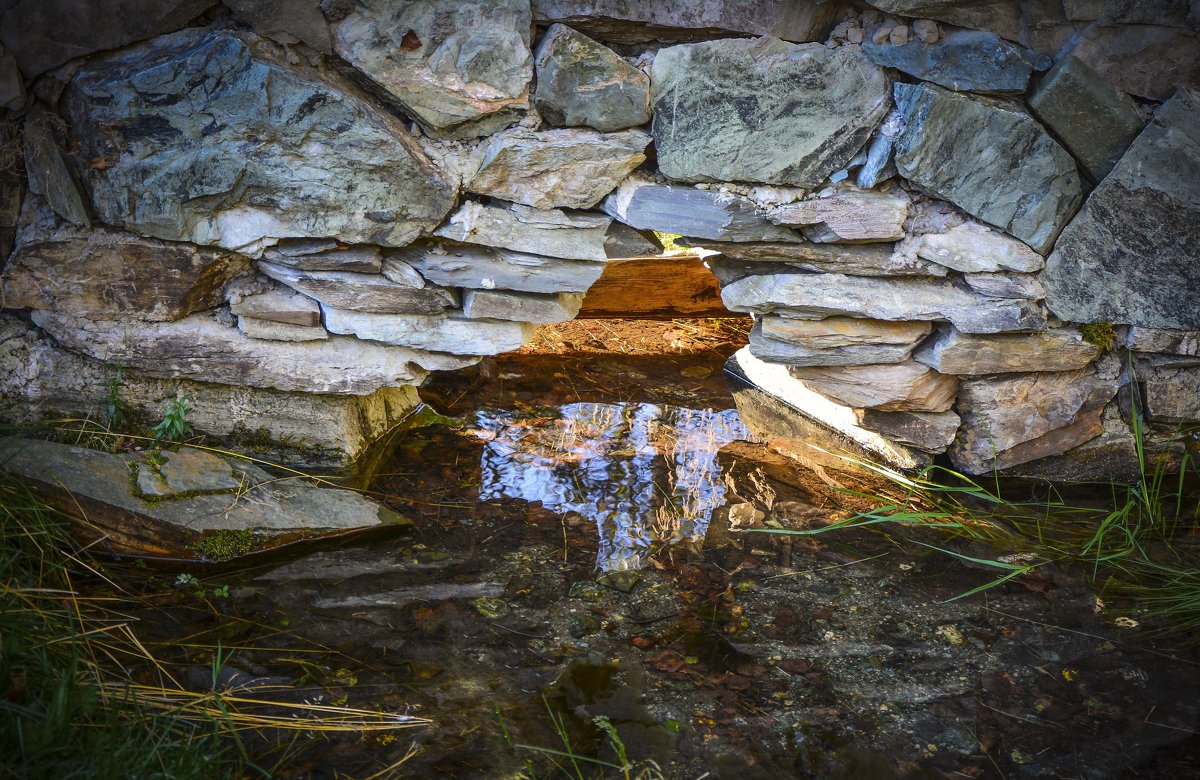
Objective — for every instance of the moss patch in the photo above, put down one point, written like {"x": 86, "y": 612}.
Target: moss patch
{"x": 224, "y": 545}
{"x": 1102, "y": 334}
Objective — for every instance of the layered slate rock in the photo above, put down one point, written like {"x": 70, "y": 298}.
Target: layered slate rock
{"x": 900, "y": 387}
{"x": 281, "y": 305}
{"x": 964, "y": 61}
{"x": 295, "y": 153}
{"x": 364, "y": 292}
{"x": 952, "y": 352}
{"x": 974, "y": 248}
{"x": 108, "y": 274}
{"x": 789, "y": 353}
{"x": 322, "y": 254}
{"x": 1017, "y": 418}
{"x": 548, "y": 232}
{"x": 1095, "y": 121}
{"x": 989, "y": 158}
{"x": 461, "y": 68}
{"x": 854, "y": 260}
{"x": 846, "y": 216}
{"x": 833, "y": 332}
{"x": 1170, "y": 389}
{"x": 1174, "y": 342}
{"x": 557, "y": 168}
{"x": 583, "y": 83}
{"x": 280, "y": 331}
{"x": 821, "y": 295}
{"x": 436, "y": 333}
{"x": 458, "y": 265}
{"x": 521, "y": 307}
{"x": 1024, "y": 287}
{"x": 1130, "y": 254}
{"x": 687, "y": 211}
{"x": 931, "y": 432}
{"x": 200, "y": 348}
{"x": 762, "y": 110}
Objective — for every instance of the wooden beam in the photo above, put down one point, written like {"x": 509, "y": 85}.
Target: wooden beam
{"x": 655, "y": 288}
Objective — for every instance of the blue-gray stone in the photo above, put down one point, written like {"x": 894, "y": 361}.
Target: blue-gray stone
{"x": 964, "y": 61}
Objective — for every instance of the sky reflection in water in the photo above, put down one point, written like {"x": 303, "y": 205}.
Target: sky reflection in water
{"x": 643, "y": 473}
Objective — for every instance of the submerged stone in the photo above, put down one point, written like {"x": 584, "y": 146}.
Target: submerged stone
{"x": 581, "y": 82}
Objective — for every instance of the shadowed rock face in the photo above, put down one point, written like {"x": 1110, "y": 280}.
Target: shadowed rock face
{"x": 206, "y": 137}
{"x": 762, "y": 110}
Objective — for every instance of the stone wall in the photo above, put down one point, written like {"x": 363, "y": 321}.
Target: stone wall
{"x": 968, "y": 228}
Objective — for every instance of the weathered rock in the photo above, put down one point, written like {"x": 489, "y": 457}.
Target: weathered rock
{"x": 286, "y": 21}
{"x": 624, "y": 242}
{"x": 12, "y": 191}
{"x": 1131, "y": 252}
{"x": 436, "y": 333}
{"x": 1024, "y": 287}
{"x": 185, "y": 471}
{"x": 41, "y": 380}
{"x": 12, "y": 85}
{"x": 363, "y": 292}
{"x": 974, "y": 248}
{"x": 790, "y": 409}
{"x": 952, "y": 352}
{"x": 842, "y": 331}
{"x": 950, "y": 148}
{"x": 97, "y": 484}
{"x": 557, "y": 168}
{"x": 583, "y": 83}
{"x": 200, "y": 348}
{"x": 1010, "y": 420}
{"x": 1095, "y": 121}
{"x": 846, "y": 216}
{"x": 455, "y": 265}
{"x": 108, "y": 274}
{"x": 43, "y": 34}
{"x": 686, "y": 211}
{"x": 788, "y": 353}
{"x": 1169, "y": 394}
{"x": 877, "y": 167}
{"x": 280, "y": 305}
{"x": 461, "y": 69}
{"x": 855, "y": 260}
{"x": 1149, "y": 61}
{"x": 521, "y": 307}
{"x": 964, "y": 61}
{"x": 296, "y": 153}
{"x": 681, "y": 20}
{"x": 900, "y": 387}
{"x": 552, "y": 233}
{"x": 928, "y": 431}
{"x": 325, "y": 255}
{"x": 1173, "y": 342}
{"x": 280, "y": 331}
{"x": 821, "y": 295}
{"x": 762, "y": 110}
{"x": 47, "y": 170}
{"x": 1000, "y": 16}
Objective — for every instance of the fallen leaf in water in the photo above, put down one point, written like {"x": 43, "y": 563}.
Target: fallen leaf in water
{"x": 696, "y": 372}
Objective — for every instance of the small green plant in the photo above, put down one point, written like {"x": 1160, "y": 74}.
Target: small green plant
{"x": 186, "y": 581}
{"x": 118, "y": 415}
{"x": 174, "y": 425}
{"x": 1101, "y": 334}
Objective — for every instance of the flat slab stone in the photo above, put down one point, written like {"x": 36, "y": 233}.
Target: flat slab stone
{"x": 1170, "y": 393}
{"x": 842, "y": 331}
{"x": 521, "y": 307}
{"x": 762, "y": 110}
{"x": 974, "y": 248}
{"x": 964, "y": 61}
{"x": 1095, "y": 121}
{"x": 930, "y": 432}
{"x": 822, "y": 295}
{"x": 948, "y": 149}
{"x": 1131, "y": 250}
{"x": 46, "y": 169}
{"x": 774, "y": 350}
{"x": 325, "y": 255}
{"x": 436, "y": 333}
{"x": 461, "y": 70}
{"x": 363, "y": 292}
{"x": 583, "y": 83}
{"x": 298, "y": 152}
{"x": 281, "y": 305}
{"x": 110, "y": 274}
{"x": 187, "y": 470}
{"x": 900, "y": 387}
{"x": 461, "y": 265}
{"x": 953, "y": 352}
{"x": 280, "y": 331}
{"x": 566, "y": 168}
{"x": 846, "y": 216}
{"x": 854, "y": 260}
{"x": 551, "y": 232}
{"x": 687, "y": 211}
{"x": 1174, "y": 342}
{"x": 1024, "y": 287}
{"x": 202, "y": 349}
{"x": 1017, "y": 418}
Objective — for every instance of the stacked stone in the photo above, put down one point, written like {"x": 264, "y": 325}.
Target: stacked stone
{"x": 320, "y": 203}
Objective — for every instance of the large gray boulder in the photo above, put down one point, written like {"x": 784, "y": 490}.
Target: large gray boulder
{"x": 209, "y": 137}
{"x": 687, "y": 211}
{"x": 989, "y": 158}
{"x": 762, "y": 110}
{"x": 964, "y": 61}
{"x": 461, "y": 68}
{"x": 565, "y": 168}
{"x": 821, "y": 295}
{"x": 1130, "y": 256}
{"x": 583, "y": 83}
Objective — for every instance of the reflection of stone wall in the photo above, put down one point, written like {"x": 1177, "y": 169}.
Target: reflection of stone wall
{"x": 921, "y": 210}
